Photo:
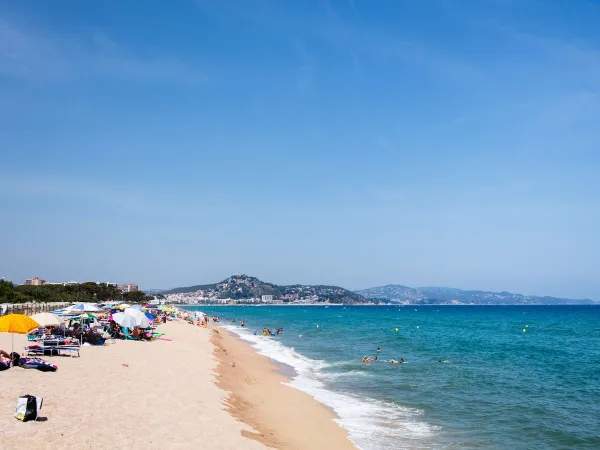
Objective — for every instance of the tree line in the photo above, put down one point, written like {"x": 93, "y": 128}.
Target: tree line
{"x": 76, "y": 293}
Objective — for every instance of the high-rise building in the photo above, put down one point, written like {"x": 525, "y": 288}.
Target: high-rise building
{"x": 35, "y": 281}
{"x": 128, "y": 287}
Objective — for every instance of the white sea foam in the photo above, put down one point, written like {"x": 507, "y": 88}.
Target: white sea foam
{"x": 371, "y": 424}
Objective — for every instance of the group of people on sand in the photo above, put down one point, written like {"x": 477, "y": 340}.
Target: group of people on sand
{"x": 203, "y": 322}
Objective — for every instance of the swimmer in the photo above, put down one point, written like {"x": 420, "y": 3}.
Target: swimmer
{"x": 366, "y": 360}
{"x": 375, "y": 359}
{"x": 378, "y": 350}
{"x": 393, "y": 361}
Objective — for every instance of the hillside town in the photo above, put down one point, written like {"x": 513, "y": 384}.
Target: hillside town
{"x": 243, "y": 289}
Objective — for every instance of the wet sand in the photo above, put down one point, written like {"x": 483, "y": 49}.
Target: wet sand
{"x": 284, "y": 417}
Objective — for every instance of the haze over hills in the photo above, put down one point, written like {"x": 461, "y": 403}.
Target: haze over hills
{"x": 396, "y": 293}
{"x": 244, "y": 287}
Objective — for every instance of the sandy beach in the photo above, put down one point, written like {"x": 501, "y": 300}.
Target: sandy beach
{"x": 165, "y": 394}
{"x": 151, "y": 395}
{"x": 284, "y": 417}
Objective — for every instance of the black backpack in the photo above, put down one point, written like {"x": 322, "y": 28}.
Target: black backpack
{"x": 28, "y": 407}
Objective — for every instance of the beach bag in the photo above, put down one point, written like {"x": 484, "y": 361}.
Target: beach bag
{"x": 28, "y": 407}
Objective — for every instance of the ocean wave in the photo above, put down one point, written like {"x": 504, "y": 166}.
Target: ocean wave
{"x": 349, "y": 373}
{"x": 371, "y": 424}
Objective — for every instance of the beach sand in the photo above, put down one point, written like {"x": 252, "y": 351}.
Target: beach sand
{"x": 151, "y": 395}
{"x": 284, "y": 417}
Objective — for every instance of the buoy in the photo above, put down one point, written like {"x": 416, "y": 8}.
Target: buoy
{"x": 523, "y": 330}
{"x": 396, "y": 330}
{"x": 526, "y": 326}
{"x": 317, "y": 326}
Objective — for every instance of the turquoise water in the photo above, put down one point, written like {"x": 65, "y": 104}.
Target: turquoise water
{"x": 498, "y": 387}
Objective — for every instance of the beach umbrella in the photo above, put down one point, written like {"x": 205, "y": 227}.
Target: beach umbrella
{"x": 81, "y": 308}
{"x": 125, "y": 320}
{"x": 47, "y": 319}
{"x": 17, "y": 323}
{"x": 150, "y": 316}
{"x": 138, "y": 307}
{"x": 140, "y": 318}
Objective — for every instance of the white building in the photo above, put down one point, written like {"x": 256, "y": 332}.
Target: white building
{"x": 267, "y": 298}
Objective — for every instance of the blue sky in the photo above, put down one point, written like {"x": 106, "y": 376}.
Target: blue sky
{"x": 349, "y": 142}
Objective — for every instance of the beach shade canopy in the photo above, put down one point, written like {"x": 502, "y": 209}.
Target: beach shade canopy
{"x": 84, "y": 316}
{"x": 81, "y": 308}
{"x": 17, "y": 323}
{"x": 125, "y": 320}
{"x": 47, "y": 319}
{"x": 140, "y": 318}
{"x": 164, "y": 308}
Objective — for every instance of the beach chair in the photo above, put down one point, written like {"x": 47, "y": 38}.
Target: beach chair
{"x": 50, "y": 350}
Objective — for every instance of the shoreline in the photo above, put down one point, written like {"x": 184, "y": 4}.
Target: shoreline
{"x": 283, "y": 416}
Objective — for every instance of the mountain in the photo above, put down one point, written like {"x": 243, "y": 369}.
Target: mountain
{"x": 240, "y": 287}
{"x": 441, "y": 295}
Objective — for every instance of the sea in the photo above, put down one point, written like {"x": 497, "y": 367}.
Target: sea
{"x": 510, "y": 377}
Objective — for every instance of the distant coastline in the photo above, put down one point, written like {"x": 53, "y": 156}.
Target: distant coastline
{"x": 247, "y": 290}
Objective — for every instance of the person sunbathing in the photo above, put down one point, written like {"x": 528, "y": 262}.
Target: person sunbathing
{"x": 91, "y": 337}
{"x": 5, "y": 360}
{"x": 4, "y": 355}
{"x": 138, "y": 333}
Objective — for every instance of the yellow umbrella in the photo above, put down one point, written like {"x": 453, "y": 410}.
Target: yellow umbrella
{"x": 17, "y": 323}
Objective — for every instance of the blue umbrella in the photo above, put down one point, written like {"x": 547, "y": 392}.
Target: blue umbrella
{"x": 150, "y": 316}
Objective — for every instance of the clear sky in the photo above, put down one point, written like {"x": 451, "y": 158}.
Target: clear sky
{"x": 357, "y": 143}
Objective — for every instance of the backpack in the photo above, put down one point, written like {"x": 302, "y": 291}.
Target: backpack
{"x": 28, "y": 407}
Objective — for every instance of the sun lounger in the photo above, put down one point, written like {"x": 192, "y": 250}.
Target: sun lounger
{"x": 51, "y": 349}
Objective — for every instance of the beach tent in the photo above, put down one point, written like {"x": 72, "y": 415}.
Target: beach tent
{"x": 16, "y": 323}
{"x": 47, "y": 319}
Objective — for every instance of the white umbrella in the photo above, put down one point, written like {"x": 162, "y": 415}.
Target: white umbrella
{"x": 47, "y": 320}
{"x": 81, "y": 308}
{"x": 125, "y": 320}
{"x": 140, "y": 318}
